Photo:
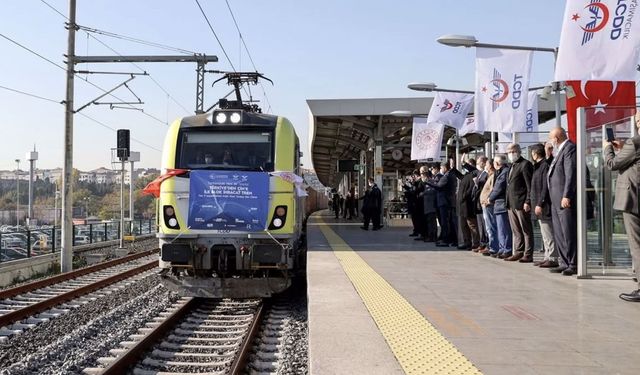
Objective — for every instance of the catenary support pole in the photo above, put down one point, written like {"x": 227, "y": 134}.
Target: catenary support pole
{"x": 66, "y": 254}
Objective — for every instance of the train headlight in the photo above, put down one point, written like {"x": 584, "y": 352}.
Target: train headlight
{"x": 235, "y": 118}
{"x": 279, "y": 217}
{"x": 169, "y": 216}
{"x": 221, "y": 118}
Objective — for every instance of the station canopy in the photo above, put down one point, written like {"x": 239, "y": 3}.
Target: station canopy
{"x": 342, "y": 128}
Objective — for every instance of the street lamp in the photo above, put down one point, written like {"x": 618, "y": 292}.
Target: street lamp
{"x": 432, "y": 87}
{"x": 86, "y": 206}
{"x": 468, "y": 41}
{"x": 401, "y": 113}
{"x": 17, "y": 192}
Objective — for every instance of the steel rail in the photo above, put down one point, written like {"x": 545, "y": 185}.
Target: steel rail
{"x": 30, "y": 310}
{"x": 131, "y": 356}
{"x": 25, "y": 288}
{"x": 240, "y": 362}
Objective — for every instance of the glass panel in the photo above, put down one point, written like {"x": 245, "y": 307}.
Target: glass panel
{"x": 248, "y": 150}
{"x": 607, "y": 248}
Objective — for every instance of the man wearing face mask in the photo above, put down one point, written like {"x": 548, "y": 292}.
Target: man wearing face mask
{"x": 562, "y": 190}
{"x": 519, "y": 205}
{"x": 445, "y": 200}
{"x": 539, "y": 197}
{"x": 627, "y": 200}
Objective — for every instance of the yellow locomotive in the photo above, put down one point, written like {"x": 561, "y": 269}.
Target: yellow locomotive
{"x": 230, "y": 205}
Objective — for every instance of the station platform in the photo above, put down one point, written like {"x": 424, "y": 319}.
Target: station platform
{"x": 381, "y": 303}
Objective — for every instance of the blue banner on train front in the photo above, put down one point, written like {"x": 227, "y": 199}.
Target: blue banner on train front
{"x": 228, "y": 200}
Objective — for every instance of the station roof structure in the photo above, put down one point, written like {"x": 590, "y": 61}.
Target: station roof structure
{"x": 342, "y": 128}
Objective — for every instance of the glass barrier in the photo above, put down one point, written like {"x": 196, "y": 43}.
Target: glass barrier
{"x": 25, "y": 243}
{"x": 603, "y": 247}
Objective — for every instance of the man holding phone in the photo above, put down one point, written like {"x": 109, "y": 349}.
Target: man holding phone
{"x": 627, "y": 162}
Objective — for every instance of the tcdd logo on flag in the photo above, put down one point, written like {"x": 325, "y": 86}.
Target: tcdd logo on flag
{"x": 501, "y": 91}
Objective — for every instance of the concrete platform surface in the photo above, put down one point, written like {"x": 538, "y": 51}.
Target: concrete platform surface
{"x": 503, "y": 317}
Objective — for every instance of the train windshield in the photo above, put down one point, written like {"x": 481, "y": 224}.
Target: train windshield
{"x": 233, "y": 150}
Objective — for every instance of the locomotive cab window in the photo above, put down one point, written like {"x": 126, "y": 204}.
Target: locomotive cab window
{"x": 226, "y": 150}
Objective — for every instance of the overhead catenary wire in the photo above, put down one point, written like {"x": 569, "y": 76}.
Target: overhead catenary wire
{"x": 218, "y": 40}
{"x": 235, "y": 22}
{"x": 112, "y": 95}
{"x": 80, "y": 113}
{"x": 135, "y": 40}
{"x": 78, "y": 76}
{"x": 30, "y": 94}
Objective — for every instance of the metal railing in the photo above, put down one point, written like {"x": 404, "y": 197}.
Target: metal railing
{"x": 25, "y": 243}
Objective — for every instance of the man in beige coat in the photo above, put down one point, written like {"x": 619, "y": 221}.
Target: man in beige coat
{"x": 627, "y": 163}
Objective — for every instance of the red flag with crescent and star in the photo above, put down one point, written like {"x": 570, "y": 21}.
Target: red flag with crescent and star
{"x": 613, "y": 100}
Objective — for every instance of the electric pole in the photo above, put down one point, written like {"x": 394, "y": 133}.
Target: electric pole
{"x": 66, "y": 254}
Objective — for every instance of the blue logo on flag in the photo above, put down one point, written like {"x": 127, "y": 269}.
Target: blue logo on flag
{"x": 228, "y": 200}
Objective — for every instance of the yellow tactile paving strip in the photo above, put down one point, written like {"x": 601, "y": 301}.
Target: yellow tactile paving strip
{"x": 417, "y": 345}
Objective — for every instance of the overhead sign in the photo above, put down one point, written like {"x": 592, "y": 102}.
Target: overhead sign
{"x": 347, "y": 165}
{"x": 228, "y": 200}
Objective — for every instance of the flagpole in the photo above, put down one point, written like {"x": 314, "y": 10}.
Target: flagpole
{"x": 468, "y": 41}
{"x": 558, "y": 99}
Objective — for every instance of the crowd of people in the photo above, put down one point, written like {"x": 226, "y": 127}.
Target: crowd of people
{"x": 494, "y": 204}
{"x": 348, "y": 207}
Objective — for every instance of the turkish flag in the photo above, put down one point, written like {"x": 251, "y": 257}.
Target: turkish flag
{"x": 614, "y": 100}
{"x": 153, "y": 187}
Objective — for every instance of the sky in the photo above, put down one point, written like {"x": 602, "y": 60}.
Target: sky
{"x": 310, "y": 49}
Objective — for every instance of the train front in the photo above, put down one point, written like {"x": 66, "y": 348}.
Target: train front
{"x": 229, "y": 207}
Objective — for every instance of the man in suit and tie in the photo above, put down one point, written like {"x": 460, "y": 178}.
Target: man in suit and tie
{"x": 562, "y": 190}
{"x": 445, "y": 201}
{"x": 519, "y": 205}
{"x": 627, "y": 163}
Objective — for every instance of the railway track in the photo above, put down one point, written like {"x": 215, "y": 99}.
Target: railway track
{"x": 193, "y": 336}
{"x": 27, "y": 305}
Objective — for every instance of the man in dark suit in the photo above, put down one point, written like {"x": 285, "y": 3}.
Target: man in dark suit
{"x": 539, "y": 196}
{"x": 627, "y": 200}
{"x": 562, "y": 190}
{"x": 445, "y": 200}
{"x": 519, "y": 205}
{"x": 375, "y": 196}
{"x": 479, "y": 181}
{"x": 467, "y": 209}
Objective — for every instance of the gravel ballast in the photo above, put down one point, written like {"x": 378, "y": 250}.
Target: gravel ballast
{"x": 72, "y": 342}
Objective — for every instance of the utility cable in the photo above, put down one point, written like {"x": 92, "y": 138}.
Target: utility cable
{"x": 80, "y": 113}
{"x": 235, "y": 22}
{"x": 218, "y": 39}
{"x": 103, "y": 90}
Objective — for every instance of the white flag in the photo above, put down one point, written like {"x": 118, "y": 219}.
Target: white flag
{"x": 450, "y": 108}
{"x": 470, "y": 126}
{"x": 527, "y": 134}
{"x": 600, "y": 41}
{"x": 426, "y": 139}
{"x": 502, "y": 83}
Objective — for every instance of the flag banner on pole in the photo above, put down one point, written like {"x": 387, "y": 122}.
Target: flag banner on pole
{"x": 600, "y": 41}
{"x": 450, "y": 108}
{"x": 504, "y": 139}
{"x": 426, "y": 139}
{"x": 614, "y": 100}
{"x": 502, "y": 83}
{"x": 528, "y": 135}
{"x": 470, "y": 126}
